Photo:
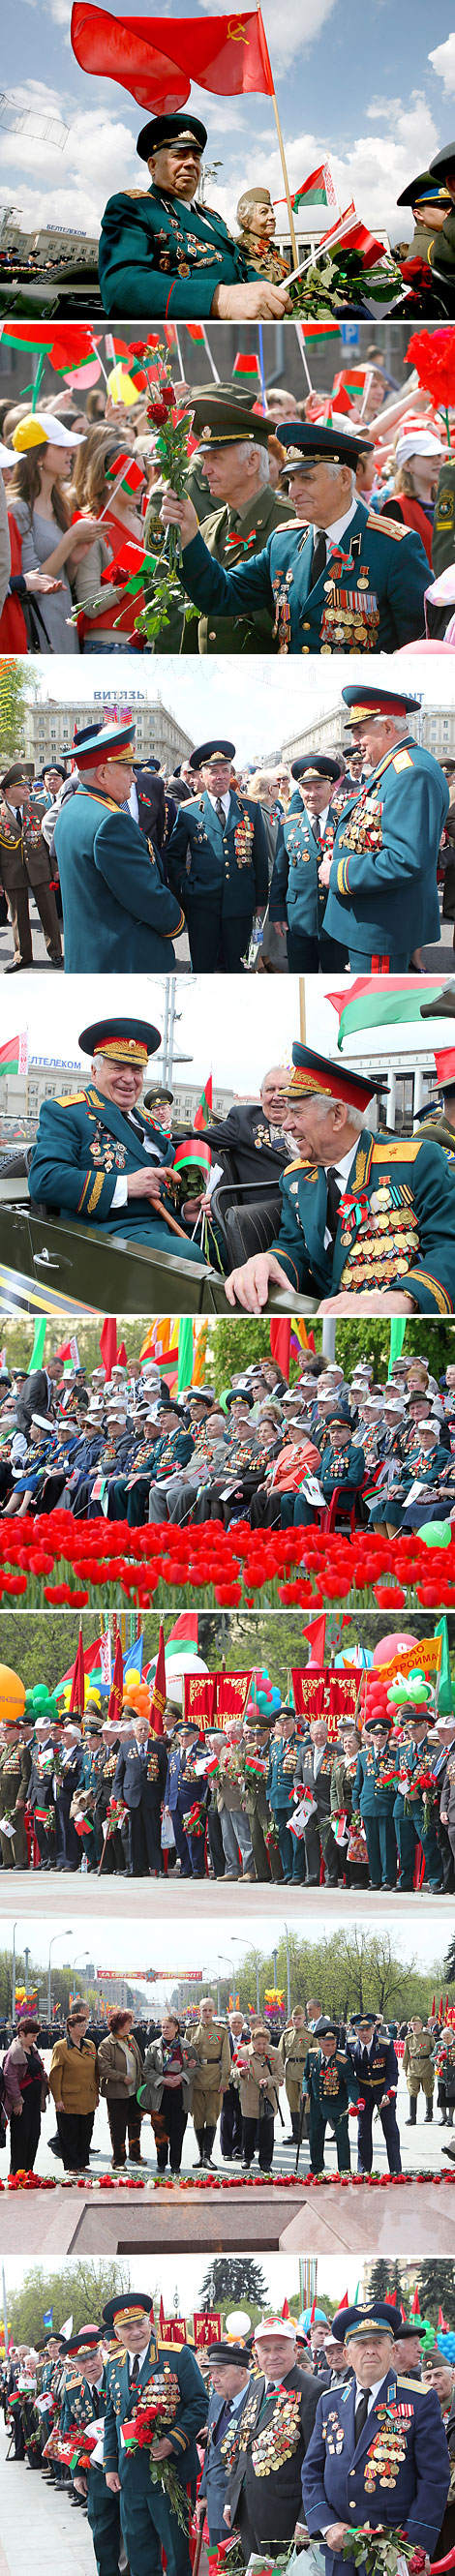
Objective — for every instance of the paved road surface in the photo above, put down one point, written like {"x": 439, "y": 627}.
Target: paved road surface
{"x": 439, "y": 960}
{"x": 28, "y": 2506}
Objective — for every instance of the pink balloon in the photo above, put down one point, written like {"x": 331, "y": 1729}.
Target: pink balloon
{"x": 393, "y": 1645}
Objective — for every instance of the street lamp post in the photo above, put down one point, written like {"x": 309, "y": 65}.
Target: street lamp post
{"x": 56, "y": 1936}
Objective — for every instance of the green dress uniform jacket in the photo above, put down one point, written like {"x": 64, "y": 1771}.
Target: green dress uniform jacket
{"x": 231, "y": 537}
{"x": 83, "y": 1147}
{"x": 296, "y": 895}
{"x": 418, "y": 2066}
{"x": 441, "y": 253}
{"x": 119, "y": 916}
{"x": 382, "y": 578}
{"x": 161, "y": 259}
{"x": 121, "y": 2402}
{"x": 24, "y": 857}
{"x": 396, "y": 1225}
{"x": 383, "y": 897}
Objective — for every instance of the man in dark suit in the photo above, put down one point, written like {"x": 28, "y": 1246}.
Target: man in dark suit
{"x": 37, "y": 1394}
{"x": 378, "y": 2454}
{"x": 147, "y": 801}
{"x": 253, "y": 1134}
{"x": 230, "y": 2374}
{"x": 262, "y": 2500}
{"x": 140, "y": 1780}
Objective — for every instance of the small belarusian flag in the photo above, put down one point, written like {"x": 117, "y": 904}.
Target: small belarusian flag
{"x": 14, "y": 1055}
{"x": 377, "y": 1002}
{"x": 319, "y": 189}
{"x": 196, "y": 331}
{"x": 348, "y": 388}
{"x": 123, "y": 469}
{"x": 247, "y": 366}
{"x": 74, "y": 348}
{"x": 204, "y": 1109}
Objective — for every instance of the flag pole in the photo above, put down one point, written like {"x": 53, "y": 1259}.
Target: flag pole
{"x": 294, "y": 249}
{"x": 299, "y": 328}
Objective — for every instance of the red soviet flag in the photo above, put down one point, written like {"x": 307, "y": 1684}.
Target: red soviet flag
{"x": 158, "y": 58}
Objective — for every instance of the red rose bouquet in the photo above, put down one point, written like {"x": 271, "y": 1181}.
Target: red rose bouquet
{"x": 151, "y": 2424}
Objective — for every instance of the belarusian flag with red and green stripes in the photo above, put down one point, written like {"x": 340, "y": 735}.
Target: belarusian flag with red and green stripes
{"x": 247, "y": 366}
{"x": 14, "y": 1056}
{"x": 376, "y": 1003}
{"x": 204, "y": 1109}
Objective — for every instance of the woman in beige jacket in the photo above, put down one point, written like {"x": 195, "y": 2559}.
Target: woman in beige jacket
{"x": 259, "y": 2073}
{"x": 73, "y": 2079}
{"x": 121, "y": 2068}
{"x": 212, "y": 2077}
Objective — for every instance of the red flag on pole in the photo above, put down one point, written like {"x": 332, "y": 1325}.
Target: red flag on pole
{"x": 433, "y": 2008}
{"x": 159, "y": 1690}
{"x": 316, "y": 1639}
{"x": 76, "y": 1705}
{"x": 344, "y": 2302}
{"x": 285, "y": 2312}
{"x": 442, "y": 2327}
{"x": 116, "y": 1690}
{"x": 162, "y": 2320}
{"x": 156, "y": 59}
{"x": 186, "y": 1626}
{"x": 108, "y": 1343}
{"x": 204, "y": 1109}
{"x": 415, "y": 2304}
{"x": 280, "y": 1344}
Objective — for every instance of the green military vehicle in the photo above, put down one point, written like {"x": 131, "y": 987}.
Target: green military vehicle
{"x": 49, "y": 1264}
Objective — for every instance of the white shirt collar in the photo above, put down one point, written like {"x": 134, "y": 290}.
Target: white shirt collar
{"x": 337, "y": 527}
{"x": 138, "y": 2356}
{"x": 375, "y": 2386}
{"x": 220, "y": 800}
{"x": 343, "y": 1168}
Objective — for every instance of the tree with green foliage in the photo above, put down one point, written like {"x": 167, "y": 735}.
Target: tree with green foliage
{"x": 437, "y": 2290}
{"x": 80, "y": 2289}
{"x": 16, "y": 688}
{"x": 233, "y": 2282}
{"x": 384, "y": 2279}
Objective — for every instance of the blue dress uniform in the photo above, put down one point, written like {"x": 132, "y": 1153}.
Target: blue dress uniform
{"x": 331, "y": 2086}
{"x": 376, "y": 1802}
{"x": 409, "y": 1813}
{"x": 376, "y": 2071}
{"x": 382, "y": 575}
{"x": 296, "y": 893}
{"x": 148, "y": 2524}
{"x": 396, "y": 2474}
{"x": 399, "y": 1180}
{"x": 383, "y": 897}
{"x": 119, "y": 916}
{"x": 183, "y": 1787}
{"x": 220, "y": 872}
{"x": 280, "y": 1796}
{"x": 85, "y": 1145}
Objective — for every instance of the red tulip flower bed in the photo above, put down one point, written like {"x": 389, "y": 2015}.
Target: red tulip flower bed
{"x": 76, "y": 1564}
{"x": 23, "y": 2181}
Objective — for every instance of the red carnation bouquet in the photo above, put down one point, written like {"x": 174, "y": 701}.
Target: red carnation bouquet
{"x": 151, "y": 2424}
{"x": 432, "y": 353}
{"x": 172, "y": 451}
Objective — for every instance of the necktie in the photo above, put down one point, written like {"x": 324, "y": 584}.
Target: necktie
{"x": 316, "y": 827}
{"x": 219, "y": 810}
{"x": 135, "y": 2368}
{"x": 319, "y": 556}
{"x": 333, "y": 1201}
{"x": 361, "y": 2412}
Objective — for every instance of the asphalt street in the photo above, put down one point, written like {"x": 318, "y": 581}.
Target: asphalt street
{"x": 438, "y": 960}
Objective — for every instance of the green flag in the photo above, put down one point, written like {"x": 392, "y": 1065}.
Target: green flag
{"x": 397, "y": 1334}
{"x": 39, "y": 1338}
{"x": 445, "y": 1699}
{"x": 185, "y": 1359}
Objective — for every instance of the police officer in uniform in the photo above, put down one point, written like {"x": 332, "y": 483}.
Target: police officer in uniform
{"x": 163, "y": 255}
{"x": 217, "y": 858}
{"x": 383, "y": 896}
{"x": 342, "y": 580}
{"x": 330, "y": 2085}
{"x": 98, "y": 1154}
{"x": 297, "y": 896}
{"x": 25, "y": 867}
{"x": 356, "y": 1209}
{"x": 375, "y": 2067}
{"x": 375, "y": 1798}
{"x": 378, "y": 2454}
{"x": 86, "y": 2402}
{"x": 144, "y": 2368}
{"x": 118, "y": 911}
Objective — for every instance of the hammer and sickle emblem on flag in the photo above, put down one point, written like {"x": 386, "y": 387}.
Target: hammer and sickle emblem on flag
{"x": 236, "y": 32}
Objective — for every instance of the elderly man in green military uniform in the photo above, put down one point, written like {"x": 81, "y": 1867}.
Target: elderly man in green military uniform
{"x": 330, "y": 2086}
{"x": 99, "y": 1155}
{"x": 217, "y": 860}
{"x": 25, "y": 868}
{"x": 118, "y": 912}
{"x": 234, "y": 451}
{"x": 357, "y": 1208}
{"x": 342, "y": 580}
{"x": 146, "y": 2371}
{"x": 382, "y": 876}
{"x": 15, "y": 1769}
{"x": 163, "y": 255}
{"x": 418, "y": 2067}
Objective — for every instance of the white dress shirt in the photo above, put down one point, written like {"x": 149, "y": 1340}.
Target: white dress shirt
{"x": 220, "y": 800}
{"x": 337, "y": 528}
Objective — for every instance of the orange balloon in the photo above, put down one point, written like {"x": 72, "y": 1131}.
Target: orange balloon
{"x": 12, "y": 1696}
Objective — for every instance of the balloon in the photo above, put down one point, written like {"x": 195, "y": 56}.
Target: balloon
{"x": 237, "y": 2323}
{"x": 137, "y": 1696}
{"x": 12, "y": 1696}
{"x": 391, "y": 1646}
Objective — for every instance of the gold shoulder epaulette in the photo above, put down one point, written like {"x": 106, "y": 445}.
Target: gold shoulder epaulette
{"x": 397, "y": 1151}
{"x": 387, "y": 527}
{"x": 71, "y": 1099}
{"x": 408, "y": 2383}
{"x": 299, "y": 1166}
{"x": 135, "y": 192}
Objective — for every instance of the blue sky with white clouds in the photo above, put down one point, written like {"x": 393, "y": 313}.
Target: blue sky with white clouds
{"x": 367, "y": 90}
